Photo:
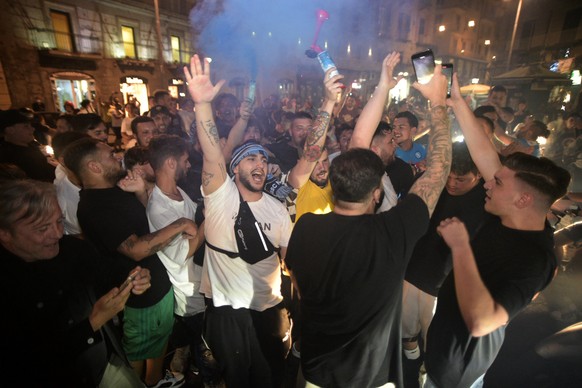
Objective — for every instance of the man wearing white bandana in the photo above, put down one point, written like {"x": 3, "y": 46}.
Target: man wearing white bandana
{"x": 247, "y": 327}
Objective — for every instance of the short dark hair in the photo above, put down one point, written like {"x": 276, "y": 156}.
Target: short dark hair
{"x": 254, "y": 122}
{"x": 302, "y": 115}
{"x": 63, "y": 139}
{"x": 412, "y": 119}
{"x": 480, "y": 111}
{"x": 159, "y": 94}
{"x": 139, "y": 120}
{"x": 224, "y": 96}
{"x": 165, "y": 146}
{"x": 509, "y": 110}
{"x": 68, "y": 118}
{"x": 462, "y": 163}
{"x": 342, "y": 128}
{"x": 158, "y": 110}
{"x": 355, "y": 174}
{"x": 381, "y": 130}
{"x": 77, "y": 152}
{"x": 488, "y": 121}
{"x": 498, "y": 88}
{"x": 135, "y": 155}
{"x": 85, "y": 122}
{"x": 541, "y": 174}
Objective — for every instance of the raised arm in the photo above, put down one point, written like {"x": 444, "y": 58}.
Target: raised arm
{"x": 315, "y": 141}
{"x": 203, "y": 92}
{"x": 438, "y": 159}
{"x": 482, "y": 151}
{"x": 481, "y": 313}
{"x": 238, "y": 130}
{"x": 374, "y": 108}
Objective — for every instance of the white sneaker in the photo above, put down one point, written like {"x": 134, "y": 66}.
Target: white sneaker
{"x": 170, "y": 380}
{"x": 412, "y": 354}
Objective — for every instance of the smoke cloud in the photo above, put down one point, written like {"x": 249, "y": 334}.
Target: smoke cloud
{"x": 271, "y": 36}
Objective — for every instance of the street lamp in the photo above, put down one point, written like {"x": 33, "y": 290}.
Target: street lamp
{"x": 513, "y": 34}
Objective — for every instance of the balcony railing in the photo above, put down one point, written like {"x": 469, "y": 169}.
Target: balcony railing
{"x": 44, "y": 38}
{"x": 78, "y": 44}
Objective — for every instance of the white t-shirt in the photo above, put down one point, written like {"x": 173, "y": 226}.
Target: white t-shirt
{"x": 68, "y": 197}
{"x": 390, "y": 198}
{"x": 184, "y": 274}
{"x": 233, "y": 282}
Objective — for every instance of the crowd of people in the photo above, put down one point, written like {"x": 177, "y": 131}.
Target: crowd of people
{"x": 245, "y": 239}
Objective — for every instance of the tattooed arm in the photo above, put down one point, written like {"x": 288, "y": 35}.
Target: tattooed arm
{"x": 372, "y": 112}
{"x": 139, "y": 248}
{"x": 438, "y": 160}
{"x": 203, "y": 92}
{"x": 315, "y": 141}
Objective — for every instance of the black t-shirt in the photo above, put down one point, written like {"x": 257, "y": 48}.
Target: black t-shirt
{"x": 108, "y": 217}
{"x": 30, "y": 159}
{"x": 401, "y": 176}
{"x": 286, "y": 156}
{"x": 514, "y": 266}
{"x": 431, "y": 261}
{"x": 349, "y": 271}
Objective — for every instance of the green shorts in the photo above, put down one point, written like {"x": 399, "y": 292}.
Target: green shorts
{"x": 146, "y": 331}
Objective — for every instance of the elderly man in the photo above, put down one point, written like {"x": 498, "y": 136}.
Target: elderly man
{"x": 56, "y": 292}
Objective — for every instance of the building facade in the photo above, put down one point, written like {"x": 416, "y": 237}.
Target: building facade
{"x": 74, "y": 50}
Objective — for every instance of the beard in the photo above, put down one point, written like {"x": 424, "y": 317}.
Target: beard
{"x": 321, "y": 182}
{"x": 114, "y": 176}
{"x": 246, "y": 181}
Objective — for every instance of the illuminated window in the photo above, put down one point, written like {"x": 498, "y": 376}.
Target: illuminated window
{"x": 128, "y": 38}
{"x": 62, "y": 29}
{"x": 175, "y": 41}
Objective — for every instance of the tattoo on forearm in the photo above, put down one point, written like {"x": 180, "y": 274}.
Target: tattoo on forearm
{"x": 314, "y": 144}
{"x": 211, "y": 132}
{"x": 157, "y": 247}
{"x": 312, "y": 153}
{"x": 430, "y": 185}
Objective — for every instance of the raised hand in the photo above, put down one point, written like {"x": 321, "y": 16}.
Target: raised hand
{"x": 246, "y": 109}
{"x": 332, "y": 85}
{"x": 132, "y": 183}
{"x": 387, "y": 72}
{"x": 199, "y": 83}
{"x": 436, "y": 89}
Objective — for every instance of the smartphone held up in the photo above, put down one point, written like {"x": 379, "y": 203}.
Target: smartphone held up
{"x": 423, "y": 64}
{"x": 447, "y": 69}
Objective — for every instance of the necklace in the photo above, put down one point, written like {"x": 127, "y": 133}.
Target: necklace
{"x": 174, "y": 195}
